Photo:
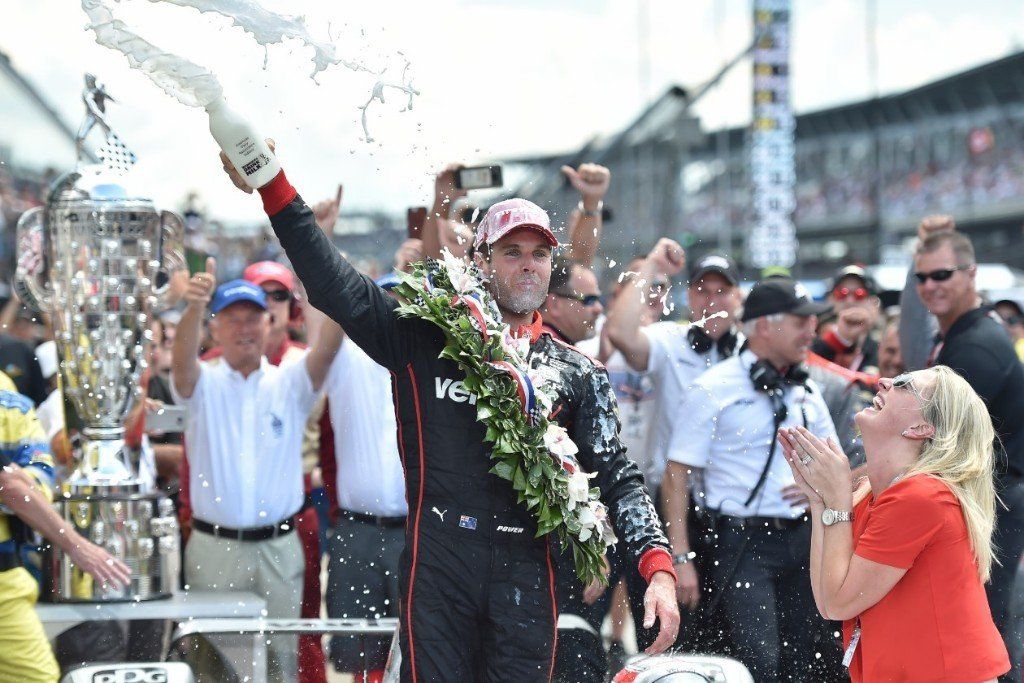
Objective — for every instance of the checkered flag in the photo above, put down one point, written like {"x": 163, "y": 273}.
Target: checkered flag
{"x": 534, "y": 415}
{"x": 116, "y": 156}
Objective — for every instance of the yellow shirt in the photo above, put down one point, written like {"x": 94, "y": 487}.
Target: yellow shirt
{"x": 23, "y": 443}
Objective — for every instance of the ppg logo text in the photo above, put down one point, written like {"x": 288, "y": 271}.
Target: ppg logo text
{"x": 147, "y": 674}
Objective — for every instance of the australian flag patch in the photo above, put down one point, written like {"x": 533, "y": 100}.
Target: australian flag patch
{"x": 467, "y": 522}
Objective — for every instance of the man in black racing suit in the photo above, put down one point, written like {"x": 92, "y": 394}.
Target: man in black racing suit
{"x": 477, "y": 589}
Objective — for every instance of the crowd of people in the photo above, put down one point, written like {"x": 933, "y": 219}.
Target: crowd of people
{"x": 842, "y": 182}
{"x": 822, "y": 490}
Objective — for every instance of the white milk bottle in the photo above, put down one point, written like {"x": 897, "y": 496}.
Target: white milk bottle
{"x": 248, "y": 153}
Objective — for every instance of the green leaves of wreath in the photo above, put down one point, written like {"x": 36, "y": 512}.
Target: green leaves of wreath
{"x": 520, "y": 453}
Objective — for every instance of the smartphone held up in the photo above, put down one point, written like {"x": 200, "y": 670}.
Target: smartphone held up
{"x": 478, "y": 178}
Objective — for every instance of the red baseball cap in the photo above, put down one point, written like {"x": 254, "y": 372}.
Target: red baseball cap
{"x": 270, "y": 271}
{"x": 510, "y": 214}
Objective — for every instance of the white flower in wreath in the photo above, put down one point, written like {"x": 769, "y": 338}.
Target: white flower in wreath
{"x": 608, "y": 533}
{"x": 464, "y": 283}
{"x": 588, "y": 520}
{"x": 603, "y": 523}
{"x": 557, "y": 441}
{"x": 453, "y": 264}
{"x": 579, "y": 488}
{"x": 593, "y": 517}
{"x": 514, "y": 349}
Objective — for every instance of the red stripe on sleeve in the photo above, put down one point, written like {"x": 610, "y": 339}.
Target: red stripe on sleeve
{"x": 656, "y": 560}
{"x": 277, "y": 194}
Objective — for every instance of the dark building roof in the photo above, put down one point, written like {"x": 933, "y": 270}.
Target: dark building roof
{"x": 996, "y": 83}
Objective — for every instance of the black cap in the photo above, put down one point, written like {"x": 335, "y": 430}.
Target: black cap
{"x": 780, "y": 295}
{"x": 858, "y": 272}
{"x": 715, "y": 263}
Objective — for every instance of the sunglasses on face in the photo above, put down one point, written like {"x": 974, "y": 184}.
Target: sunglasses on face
{"x": 587, "y": 300}
{"x": 940, "y": 275}
{"x": 906, "y": 383}
{"x": 279, "y": 295}
{"x": 1013, "y": 319}
{"x": 844, "y": 293}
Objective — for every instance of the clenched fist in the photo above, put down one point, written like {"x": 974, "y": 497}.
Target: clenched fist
{"x": 591, "y": 181}
{"x": 931, "y": 225}
{"x": 667, "y": 257}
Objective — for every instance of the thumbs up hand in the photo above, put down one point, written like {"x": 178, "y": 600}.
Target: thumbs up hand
{"x": 201, "y": 285}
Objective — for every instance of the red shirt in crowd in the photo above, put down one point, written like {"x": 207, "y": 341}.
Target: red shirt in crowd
{"x": 935, "y": 624}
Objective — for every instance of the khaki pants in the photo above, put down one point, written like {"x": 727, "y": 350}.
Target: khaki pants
{"x": 272, "y": 569}
{"x": 25, "y": 654}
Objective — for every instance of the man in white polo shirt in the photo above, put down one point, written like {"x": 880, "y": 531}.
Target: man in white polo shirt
{"x": 674, "y": 353}
{"x": 244, "y": 435}
{"x": 727, "y": 427}
{"x": 369, "y": 532}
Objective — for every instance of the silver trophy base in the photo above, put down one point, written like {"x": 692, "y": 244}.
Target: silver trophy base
{"x": 140, "y": 529}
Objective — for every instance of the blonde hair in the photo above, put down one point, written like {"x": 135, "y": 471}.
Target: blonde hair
{"x": 961, "y": 455}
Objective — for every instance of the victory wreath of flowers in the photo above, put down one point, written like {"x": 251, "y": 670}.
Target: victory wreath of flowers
{"x": 532, "y": 452}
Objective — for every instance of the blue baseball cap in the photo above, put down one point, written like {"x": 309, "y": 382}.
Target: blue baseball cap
{"x": 235, "y": 291}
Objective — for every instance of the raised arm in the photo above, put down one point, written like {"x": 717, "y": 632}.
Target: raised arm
{"x": 626, "y": 314}
{"x": 185, "y": 368}
{"x": 591, "y": 181}
{"x": 917, "y": 326}
{"x": 333, "y": 285}
{"x": 436, "y": 224}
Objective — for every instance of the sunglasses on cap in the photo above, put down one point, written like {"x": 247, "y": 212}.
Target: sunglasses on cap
{"x": 279, "y": 295}
{"x": 844, "y": 293}
{"x": 587, "y": 300}
{"x": 940, "y": 275}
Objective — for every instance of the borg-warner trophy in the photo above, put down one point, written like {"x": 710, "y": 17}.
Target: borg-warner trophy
{"x": 97, "y": 257}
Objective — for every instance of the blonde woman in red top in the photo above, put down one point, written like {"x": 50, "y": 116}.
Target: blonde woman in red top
{"x": 902, "y": 561}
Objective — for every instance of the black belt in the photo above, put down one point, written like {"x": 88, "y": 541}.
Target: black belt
{"x": 754, "y": 523}
{"x": 380, "y": 522}
{"x": 10, "y": 561}
{"x": 259, "y": 533}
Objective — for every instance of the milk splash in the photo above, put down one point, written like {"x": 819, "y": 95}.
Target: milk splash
{"x": 195, "y": 86}
{"x": 705, "y": 319}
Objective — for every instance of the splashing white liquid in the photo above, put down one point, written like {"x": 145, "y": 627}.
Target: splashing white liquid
{"x": 189, "y": 83}
{"x": 702, "y": 321}
{"x": 194, "y": 86}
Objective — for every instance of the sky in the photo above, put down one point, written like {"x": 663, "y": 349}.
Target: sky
{"x": 498, "y": 78}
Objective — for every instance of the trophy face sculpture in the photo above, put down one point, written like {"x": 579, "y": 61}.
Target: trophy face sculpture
{"x": 98, "y": 257}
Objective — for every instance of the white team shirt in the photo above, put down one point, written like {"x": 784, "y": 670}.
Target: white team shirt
{"x": 725, "y": 426}
{"x": 244, "y": 437}
{"x": 370, "y": 476}
{"x": 672, "y": 366}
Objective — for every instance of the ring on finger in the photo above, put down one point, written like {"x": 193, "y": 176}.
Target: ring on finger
{"x": 806, "y": 459}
